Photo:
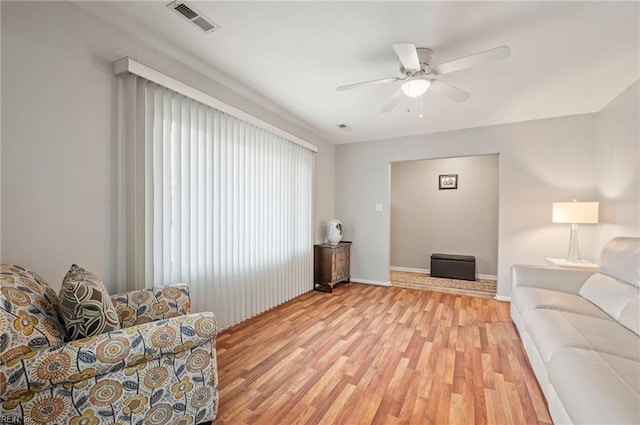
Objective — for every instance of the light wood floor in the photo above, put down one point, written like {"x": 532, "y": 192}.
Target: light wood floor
{"x": 375, "y": 355}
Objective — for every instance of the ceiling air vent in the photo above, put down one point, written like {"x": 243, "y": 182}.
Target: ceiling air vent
{"x": 193, "y": 15}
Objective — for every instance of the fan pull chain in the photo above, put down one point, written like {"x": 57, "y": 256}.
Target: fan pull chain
{"x": 420, "y": 107}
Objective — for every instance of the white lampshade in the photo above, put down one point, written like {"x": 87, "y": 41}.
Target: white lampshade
{"x": 575, "y": 212}
{"x": 415, "y": 87}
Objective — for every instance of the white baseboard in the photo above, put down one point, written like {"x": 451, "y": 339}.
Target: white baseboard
{"x": 408, "y": 269}
{"x": 370, "y": 282}
{"x": 502, "y": 298}
{"x": 413, "y": 270}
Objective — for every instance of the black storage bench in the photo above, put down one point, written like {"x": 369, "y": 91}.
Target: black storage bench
{"x": 453, "y": 266}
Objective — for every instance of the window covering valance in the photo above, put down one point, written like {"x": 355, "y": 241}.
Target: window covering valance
{"x": 132, "y": 66}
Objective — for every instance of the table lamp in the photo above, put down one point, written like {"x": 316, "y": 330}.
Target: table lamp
{"x": 575, "y": 213}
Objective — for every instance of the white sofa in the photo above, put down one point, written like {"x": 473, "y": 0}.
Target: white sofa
{"x": 581, "y": 332}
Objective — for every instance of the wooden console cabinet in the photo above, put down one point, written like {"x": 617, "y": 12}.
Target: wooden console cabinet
{"x": 331, "y": 265}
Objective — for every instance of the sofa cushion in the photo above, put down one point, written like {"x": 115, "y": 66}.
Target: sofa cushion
{"x": 630, "y": 315}
{"x": 596, "y": 388}
{"x": 552, "y": 329}
{"x": 620, "y": 258}
{"x": 528, "y": 298}
{"x": 85, "y": 305}
{"x": 28, "y": 316}
{"x": 608, "y": 293}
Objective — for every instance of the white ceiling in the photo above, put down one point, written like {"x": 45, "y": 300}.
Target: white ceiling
{"x": 567, "y": 58}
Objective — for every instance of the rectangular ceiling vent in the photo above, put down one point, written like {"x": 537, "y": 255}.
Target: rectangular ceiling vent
{"x": 194, "y": 16}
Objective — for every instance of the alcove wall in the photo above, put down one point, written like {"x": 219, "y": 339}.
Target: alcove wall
{"x": 427, "y": 220}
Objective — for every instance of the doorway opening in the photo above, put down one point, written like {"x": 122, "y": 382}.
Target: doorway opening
{"x": 444, "y": 206}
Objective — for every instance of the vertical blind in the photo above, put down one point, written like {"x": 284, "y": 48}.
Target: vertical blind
{"x": 228, "y": 207}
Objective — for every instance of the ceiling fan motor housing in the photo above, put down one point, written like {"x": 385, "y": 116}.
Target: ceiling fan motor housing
{"x": 425, "y": 56}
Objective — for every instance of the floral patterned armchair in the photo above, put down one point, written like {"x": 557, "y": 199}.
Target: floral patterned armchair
{"x": 160, "y": 368}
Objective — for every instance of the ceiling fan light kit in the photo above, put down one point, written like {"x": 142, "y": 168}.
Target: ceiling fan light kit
{"x": 419, "y": 74}
{"x": 416, "y": 87}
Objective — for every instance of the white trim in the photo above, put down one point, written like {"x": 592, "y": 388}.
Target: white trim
{"x": 408, "y": 269}
{"x": 370, "y": 282}
{"x": 413, "y": 270}
{"x": 127, "y": 64}
{"x": 502, "y": 298}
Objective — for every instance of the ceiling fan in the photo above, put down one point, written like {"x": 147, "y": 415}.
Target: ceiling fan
{"x": 419, "y": 73}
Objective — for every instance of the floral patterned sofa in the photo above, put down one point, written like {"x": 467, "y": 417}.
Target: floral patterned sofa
{"x": 159, "y": 368}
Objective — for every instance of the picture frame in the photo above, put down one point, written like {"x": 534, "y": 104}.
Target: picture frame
{"x": 447, "y": 181}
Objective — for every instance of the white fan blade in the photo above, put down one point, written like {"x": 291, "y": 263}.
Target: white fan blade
{"x": 393, "y": 101}
{"x": 366, "y": 83}
{"x": 449, "y": 91}
{"x": 408, "y": 56}
{"x": 492, "y": 55}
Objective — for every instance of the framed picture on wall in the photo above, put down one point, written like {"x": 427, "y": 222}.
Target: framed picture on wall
{"x": 448, "y": 181}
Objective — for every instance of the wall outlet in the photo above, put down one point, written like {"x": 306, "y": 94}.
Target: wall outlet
{"x": 378, "y": 207}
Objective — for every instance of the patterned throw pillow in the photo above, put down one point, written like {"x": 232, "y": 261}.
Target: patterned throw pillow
{"x": 28, "y": 318}
{"x": 85, "y": 306}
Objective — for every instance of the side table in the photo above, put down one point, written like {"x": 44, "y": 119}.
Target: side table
{"x": 331, "y": 265}
{"x": 562, "y": 262}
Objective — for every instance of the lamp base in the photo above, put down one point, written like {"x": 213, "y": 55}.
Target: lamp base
{"x": 574, "y": 245}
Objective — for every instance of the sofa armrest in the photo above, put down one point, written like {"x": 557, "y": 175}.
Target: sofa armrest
{"x": 555, "y": 278}
{"x": 150, "y": 304}
{"x": 97, "y": 356}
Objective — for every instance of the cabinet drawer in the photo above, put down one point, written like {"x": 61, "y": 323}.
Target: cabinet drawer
{"x": 341, "y": 259}
{"x": 340, "y": 274}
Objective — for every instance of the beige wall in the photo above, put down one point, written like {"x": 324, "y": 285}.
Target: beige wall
{"x": 59, "y": 169}
{"x": 618, "y": 165}
{"x": 426, "y": 220}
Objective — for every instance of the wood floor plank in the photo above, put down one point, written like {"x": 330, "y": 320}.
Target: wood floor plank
{"x": 495, "y": 412}
{"x": 461, "y": 410}
{"x": 376, "y": 355}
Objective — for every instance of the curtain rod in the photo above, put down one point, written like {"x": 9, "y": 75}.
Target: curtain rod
{"x": 127, "y": 64}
